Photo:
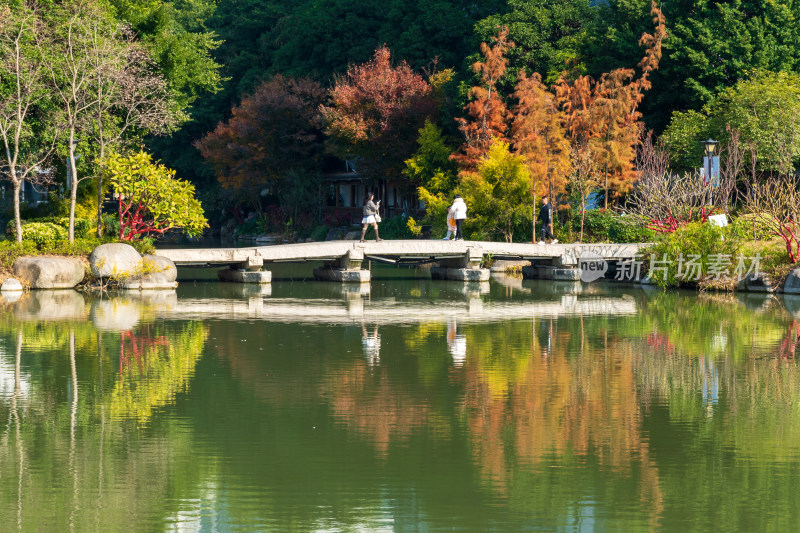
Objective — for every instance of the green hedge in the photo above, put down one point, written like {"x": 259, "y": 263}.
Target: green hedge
{"x": 84, "y": 227}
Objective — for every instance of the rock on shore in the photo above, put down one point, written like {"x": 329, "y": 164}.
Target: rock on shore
{"x": 49, "y": 272}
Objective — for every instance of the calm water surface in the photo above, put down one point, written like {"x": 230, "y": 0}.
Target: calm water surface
{"x": 409, "y": 406}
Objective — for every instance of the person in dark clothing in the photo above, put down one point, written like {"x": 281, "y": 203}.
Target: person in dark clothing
{"x": 546, "y": 219}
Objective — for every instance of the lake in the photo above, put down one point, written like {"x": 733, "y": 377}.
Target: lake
{"x": 407, "y": 405}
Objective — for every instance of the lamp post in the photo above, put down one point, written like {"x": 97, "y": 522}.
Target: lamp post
{"x": 710, "y": 146}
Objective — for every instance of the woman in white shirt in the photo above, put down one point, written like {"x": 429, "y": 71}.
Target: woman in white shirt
{"x": 459, "y": 210}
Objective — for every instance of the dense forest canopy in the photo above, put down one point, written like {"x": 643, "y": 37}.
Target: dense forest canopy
{"x": 215, "y": 58}
{"x": 710, "y": 45}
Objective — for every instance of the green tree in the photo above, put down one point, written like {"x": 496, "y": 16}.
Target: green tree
{"x": 151, "y": 200}
{"x": 764, "y": 109}
{"x": 434, "y": 172}
{"x": 548, "y": 35}
{"x": 184, "y": 56}
{"x": 711, "y": 45}
{"x": 498, "y": 192}
{"x": 26, "y": 137}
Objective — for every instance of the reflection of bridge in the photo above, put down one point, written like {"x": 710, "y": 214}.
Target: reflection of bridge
{"x": 456, "y": 259}
{"x": 125, "y": 312}
{"x": 394, "y": 312}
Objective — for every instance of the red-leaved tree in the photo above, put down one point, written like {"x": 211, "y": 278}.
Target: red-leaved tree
{"x": 376, "y": 113}
{"x": 275, "y": 133}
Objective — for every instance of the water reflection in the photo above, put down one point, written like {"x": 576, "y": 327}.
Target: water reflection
{"x": 372, "y": 345}
{"x": 410, "y": 405}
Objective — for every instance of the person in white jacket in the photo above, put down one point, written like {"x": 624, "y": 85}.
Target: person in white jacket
{"x": 459, "y": 210}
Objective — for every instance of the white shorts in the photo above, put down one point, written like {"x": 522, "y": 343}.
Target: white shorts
{"x": 369, "y": 219}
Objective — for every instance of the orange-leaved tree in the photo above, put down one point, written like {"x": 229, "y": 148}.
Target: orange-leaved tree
{"x": 487, "y": 112}
{"x": 602, "y": 116}
{"x": 376, "y": 113}
{"x": 540, "y": 138}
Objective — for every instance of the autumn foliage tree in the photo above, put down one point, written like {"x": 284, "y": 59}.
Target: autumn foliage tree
{"x": 540, "y": 137}
{"x": 487, "y": 114}
{"x": 375, "y": 114}
{"x": 602, "y": 115}
{"x": 274, "y": 133}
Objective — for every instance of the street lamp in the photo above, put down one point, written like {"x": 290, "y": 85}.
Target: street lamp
{"x": 710, "y": 146}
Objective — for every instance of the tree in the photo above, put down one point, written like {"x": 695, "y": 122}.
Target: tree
{"x": 774, "y": 203}
{"x": 85, "y": 47}
{"x": 321, "y": 37}
{"x": 540, "y": 138}
{"x": 375, "y": 113}
{"x": 487, "y": 112}
{"x": 434, "y": 172}
{"x": 151, "y": 200}
{"x": 664, "y": 200}
{"x": 548, "y": 34}
{"x": 603, "y": 116}
{"x": 763, "y": 109}
{"x": 131, "y": 99}
{"x": 497, "y": 192}
{"x": 712, "y": 45}
{"x": 177, "y": 41}
{"x": 23, "y": 86}
{"x": 107, "y": 87}
{"x": 582, "y": 180}
{"x": 275, "y": 132}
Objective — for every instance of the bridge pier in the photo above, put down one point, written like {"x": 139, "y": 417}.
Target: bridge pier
{"x": 464, "y": 268}
{"x": 345, "y": 269}
{"x": 561, "y": 268}
{"x": 247, "y": 272}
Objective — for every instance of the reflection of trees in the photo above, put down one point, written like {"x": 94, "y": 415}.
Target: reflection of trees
{"x": 529, "y": 406}
{"x": 154, "y": 365}
{"x": 374, "y": 405}
{"x": 64, "y": 462}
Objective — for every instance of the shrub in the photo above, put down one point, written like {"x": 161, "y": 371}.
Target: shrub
{"x": 43, "y": 234}
{"x": 743, "y": 227}
{"x": 706, "y": 242}
{"x": 625, "y": 231}
{"x": 395, "y": 228}
{"x": 320, "y": 232}
{"x": 84, "y": 227}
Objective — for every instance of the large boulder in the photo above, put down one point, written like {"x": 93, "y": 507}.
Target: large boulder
{"x": 157, "y": 273}
{"x": 49, "y": 272}
{"x": 792, "y": 285}
{"x": 115, "y": 260}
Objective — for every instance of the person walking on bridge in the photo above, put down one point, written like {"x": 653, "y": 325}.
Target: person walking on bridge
{"x": 459, "y": 210}
{"x": 546, "y": 219}
{"x": 371, "y": 216}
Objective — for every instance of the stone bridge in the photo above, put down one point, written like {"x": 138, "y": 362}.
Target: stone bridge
{"x": 455, "y": 260}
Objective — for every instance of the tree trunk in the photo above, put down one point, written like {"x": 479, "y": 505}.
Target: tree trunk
{"x": 100, "y": 193}
{"x": 73, "y": 193}
{"x": 533, "y": 220}
{"x": 583, "y": 217}
{"x": 17, "y": 220}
